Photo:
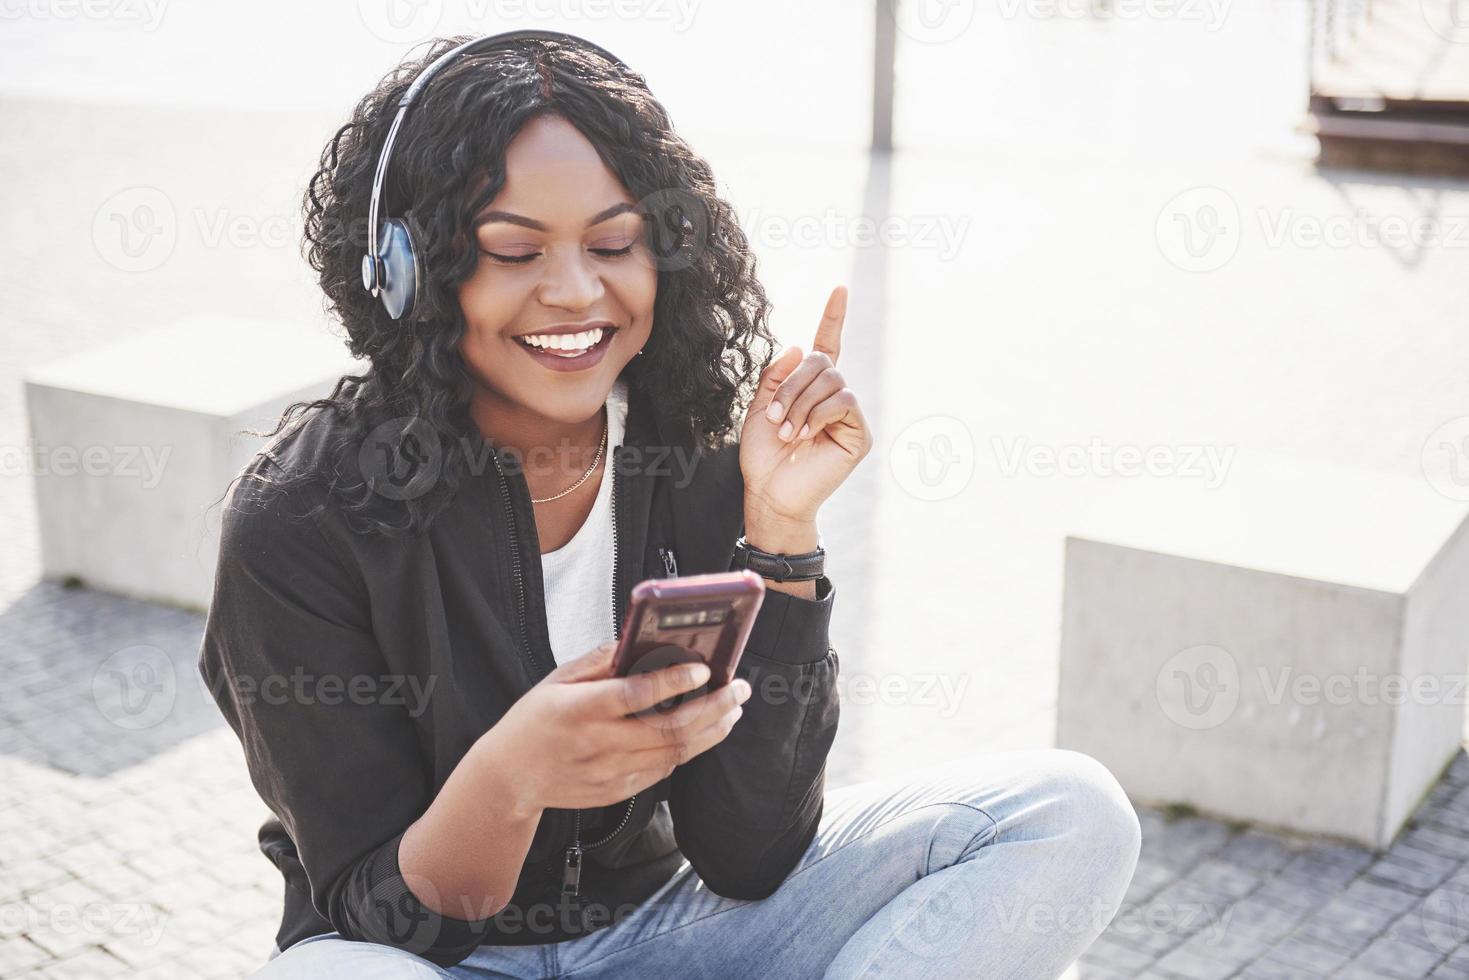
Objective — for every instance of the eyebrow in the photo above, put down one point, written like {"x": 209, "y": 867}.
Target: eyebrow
{"x": 485, "y": 217}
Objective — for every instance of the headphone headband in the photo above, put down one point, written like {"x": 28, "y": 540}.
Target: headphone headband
{"x": 398, "y": 292}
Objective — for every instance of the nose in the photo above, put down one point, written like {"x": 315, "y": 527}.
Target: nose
{"x": 572, "y": 281}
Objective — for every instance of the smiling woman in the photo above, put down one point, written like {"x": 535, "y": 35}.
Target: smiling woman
{"x": 473, "y": 514}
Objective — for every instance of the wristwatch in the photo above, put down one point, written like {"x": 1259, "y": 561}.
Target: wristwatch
{"x": 807, "y": 567}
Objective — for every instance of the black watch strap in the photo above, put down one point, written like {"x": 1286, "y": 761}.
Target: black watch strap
{"x": 806, "y": 567}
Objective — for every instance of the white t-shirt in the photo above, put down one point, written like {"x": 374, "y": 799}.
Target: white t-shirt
{"x": 578, "y": 575}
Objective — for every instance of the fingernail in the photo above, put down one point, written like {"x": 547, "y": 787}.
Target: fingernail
{"x": 785, "y": 431}
{"x": 775, "y": 411}
{"x": 805, "y": 431}
{"x": 742, "y": 690}
{"x": 698, "y": 674}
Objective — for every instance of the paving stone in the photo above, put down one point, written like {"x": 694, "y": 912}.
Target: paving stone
{"x": 1108, "y": 952}
{"x": 1257, "y": 851}
{"x": 1381, "y": 896}
{"x": 1438, "y": 841}
{"x": 1390, "y": 957}
{"x": 1258, "y": 919}
{"x": 1413, "y": 868}
{"x": 1224, "y": 880}
{"x": 1346, "y": 925}
{"x": 1310, "y": 958}
{"x": 1185, "y": 963}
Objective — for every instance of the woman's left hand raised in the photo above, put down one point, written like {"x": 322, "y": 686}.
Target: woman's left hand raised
{"x": 803, "y": 434}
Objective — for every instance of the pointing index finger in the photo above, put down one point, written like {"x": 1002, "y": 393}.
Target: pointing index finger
{"x": 829, "y": 333}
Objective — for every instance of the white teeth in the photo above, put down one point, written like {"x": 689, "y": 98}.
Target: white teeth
{"x": 575, "y": 342}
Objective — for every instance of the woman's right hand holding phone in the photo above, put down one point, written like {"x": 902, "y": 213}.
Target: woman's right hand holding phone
{"x": 585, "y": 738}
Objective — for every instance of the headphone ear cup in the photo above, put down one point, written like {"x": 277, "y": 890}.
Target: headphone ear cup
{"x": 401, "y": 268}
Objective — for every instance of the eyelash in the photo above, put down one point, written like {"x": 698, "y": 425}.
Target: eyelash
{"x": 606, "y": 253}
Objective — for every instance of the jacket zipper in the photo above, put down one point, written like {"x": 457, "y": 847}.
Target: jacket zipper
{"x": 670, "y": 564}
{"x": 571, "y": 871}
{"x": 571, "y": 868}
{"x": 530, "y": 654}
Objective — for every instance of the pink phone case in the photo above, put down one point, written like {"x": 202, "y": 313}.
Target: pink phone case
{"x": 682, "y": 620}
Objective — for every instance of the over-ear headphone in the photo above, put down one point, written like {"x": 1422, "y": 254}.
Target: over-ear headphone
{"x": 392, "y": 268}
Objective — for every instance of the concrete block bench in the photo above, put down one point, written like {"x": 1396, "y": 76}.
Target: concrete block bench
{"x": 1289, "y": 648}
{"x": 135, "y": 442}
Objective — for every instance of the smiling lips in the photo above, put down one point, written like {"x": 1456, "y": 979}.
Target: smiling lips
{"x": 569, "y": 350}
{"x": 565, "y": 344}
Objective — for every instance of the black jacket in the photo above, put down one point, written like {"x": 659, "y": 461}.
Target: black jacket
{"x": 358, "y": 669}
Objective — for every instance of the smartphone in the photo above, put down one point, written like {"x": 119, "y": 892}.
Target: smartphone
{"x": 694, "y": 618}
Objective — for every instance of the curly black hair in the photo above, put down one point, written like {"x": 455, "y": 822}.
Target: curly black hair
{"x": 710, "y": 336}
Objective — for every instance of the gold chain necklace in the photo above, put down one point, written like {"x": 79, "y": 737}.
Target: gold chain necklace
{"x": 601, "y": 448}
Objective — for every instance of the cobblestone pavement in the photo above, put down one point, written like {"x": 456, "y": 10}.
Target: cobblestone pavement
{"x": 127, "y": 837}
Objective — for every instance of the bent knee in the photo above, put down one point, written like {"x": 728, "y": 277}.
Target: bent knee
{"x": 323, "y": 958}
{"x": 1093, "y": 807}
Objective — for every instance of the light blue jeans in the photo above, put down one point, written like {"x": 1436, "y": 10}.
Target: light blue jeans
{"x": 1002, "y": 865}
